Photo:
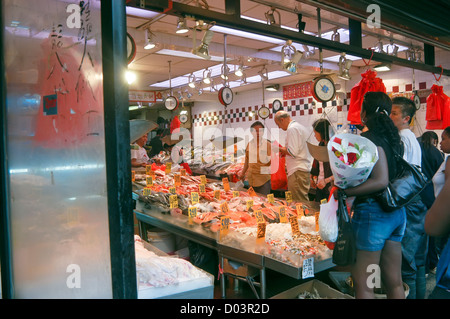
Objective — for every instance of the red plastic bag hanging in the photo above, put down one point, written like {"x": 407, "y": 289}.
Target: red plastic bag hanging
{"x": 278, "y": 178}
{"x": 368, "y": 83}
{"x": 436, "y": 109}
{"x": 174, "y": 124}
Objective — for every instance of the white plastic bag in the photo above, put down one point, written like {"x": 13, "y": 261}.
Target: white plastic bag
{"x": 328, "y": 223}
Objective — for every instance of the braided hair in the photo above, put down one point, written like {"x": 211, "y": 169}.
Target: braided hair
{"x": 377, "y": 107}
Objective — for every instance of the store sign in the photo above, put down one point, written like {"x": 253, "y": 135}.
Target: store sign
{"x": 298, "y": 90}
{"x": 143, "y": 96}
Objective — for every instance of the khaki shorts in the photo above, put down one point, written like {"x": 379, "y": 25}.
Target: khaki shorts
{"x": 298, "y": 185}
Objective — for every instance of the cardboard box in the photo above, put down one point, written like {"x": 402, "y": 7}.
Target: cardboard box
{"x": 243, "y": 270}
{"x": 313, "y": 287}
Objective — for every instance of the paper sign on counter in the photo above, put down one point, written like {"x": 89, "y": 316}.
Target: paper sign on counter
{"x": 172, "y": 190}
{"x": 149, "y": 181}
{"x": 133, "y": 176}
{"x": 249, "y": 204}
{"x": 183, "y": 172}
{"x": 224, "y": 208}
{"x": 173, "y": 199}
{"x": 289, "y": 197}
{"x": 316, "y": 215}
{"x": 226, "y": 184}
{"x": 217, "y": 194}
{"x": 259, "y": 217}
{"x": 148, "y": 169}
{"x": 192, "y": 213}
{"x": 168, "y": 168}
{"x": 261, "y": 232}
{"x": 236, "y": 194}
{"x": 201, "y": 188}
{"x": 146, "y": 191}
{"x": 300, "y": 211}
{"x": 202, "y": 179}
{"x": 177, "y": 179}
{"x": 224, "y": 225}
{"x": 294, "y": 225}
{"x": 270, "y": 198}
{"x": 251, "y": 192}
{"x": 282, "y": 213}
{"x": 308, "y": 268}
{"x": 194, "y": 198}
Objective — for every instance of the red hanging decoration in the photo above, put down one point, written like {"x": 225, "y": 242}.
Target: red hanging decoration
{"x": 175, "y": 124}
{"x": 438, "y": 112}
{"x": 369, "y": 83}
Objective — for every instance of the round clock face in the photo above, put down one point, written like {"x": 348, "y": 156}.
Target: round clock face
{"x": 225, "y": 95}
{"x": 263, "y": 112}
{"x": 171, "y": 103}
{"x": 324, "y": 89}
{"x": 416, "y": 100}
{"x": 183, "y": 118}
{"x": 131, "y": 48}
{"x": 277, "y": 106}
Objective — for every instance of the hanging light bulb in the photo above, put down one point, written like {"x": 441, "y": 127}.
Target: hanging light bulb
{"x": 225, "y": 72}
{"x": 149, "y": 43}
{"x": 181, "y": 25}
{"x": 379, "y": 47}
{"x": 191, "y": 80}
{"x": 207, "y": 76}
{"x": 203, "y": 50}
{"x": 336, "y": 36}
{"x": 240, "y": 70}
{"x": 263, "y": 74}
{"x": 344, "y": 67}
{"x": 392, "y": 49}
{"x": 130, "y": 77}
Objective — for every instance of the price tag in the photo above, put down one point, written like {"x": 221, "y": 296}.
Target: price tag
{"x": 282, "y": 213}
{"x": 236, "y": 194}
{"x": 316, "y": 215}
{"x": 168, "y": 168}
{"x": 294, "y": 225}
{"x": 249, "y": 204}
{"x": 308, "y": 268}
{"x": 201, "y": 188}
{"x": 183, "y": 172}
{"x": 194, "y": 198}
{"x": 289, "y": 197}
{"x": 133, "y": 176}
{"x": 259, "y": 217}
{"x": 217, "y": 194}
{"x": 148, "y": 169}
{"x": 173, "y": 199}
{"x": 226, "y": 184}
{"x": 149, "y": 181}
{"x": 323, "y": 201}
{"x": 251, "y": 192}
{"x": 172, "y": 190}
{"x": 192, "y": 213}
{"x": 177, "y": 179}
{"x": 270, "y": 198}
{"x": 224, "y": 208}
{"x": 305, "y": 210}
{"x": 261, "y": 232}
{"x": 146, "y": 191}
{"x": 203, "y": 179}
{"x": 224, "y": 225}
{"x": 300, "y": 211}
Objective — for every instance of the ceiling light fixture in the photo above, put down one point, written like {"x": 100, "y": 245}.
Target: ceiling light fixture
{"x": 379, "y": 47}
{"x": 207, "y": 76}
{"x": 382, "y": 67}
{"x": 203, "y": 50}
{"x": 263, "y": 74}
{"x": 240, "y": 70}
{"x": 392, "y": 49}
{"x": 273, "y": 88}
{"x": 270, "y": 17}
{"x": 225, "y": 72}
{"x": 191, "y": 80}
{"x": 149, "y": 43}
{"x": 290, "y": 56}
{"x": 336, "y": 36}
{"x": 344, "y": 67}
{"x": 181, "y": 26}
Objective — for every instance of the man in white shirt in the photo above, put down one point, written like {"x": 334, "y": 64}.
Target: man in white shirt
{"x": 139, "y": 157}
{"x": 298, "y": 159}
{"x": 415, "y": 240}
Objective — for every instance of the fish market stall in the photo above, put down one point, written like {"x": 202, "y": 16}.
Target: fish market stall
{"x": 197, "y": 208}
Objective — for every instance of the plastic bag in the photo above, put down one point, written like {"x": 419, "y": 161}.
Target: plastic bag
{"x": 278, "y": 177}
{"x": 344, "y": 252}
{"x": 328, "y": 223}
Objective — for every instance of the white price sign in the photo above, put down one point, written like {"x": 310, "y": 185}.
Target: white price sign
{"x": 308, "y": 268}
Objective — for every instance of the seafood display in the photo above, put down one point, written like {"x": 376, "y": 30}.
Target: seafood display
{"x": 244, "y": 210}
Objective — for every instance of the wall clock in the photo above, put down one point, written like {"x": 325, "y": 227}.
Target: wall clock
{"x": 277, "y": 106}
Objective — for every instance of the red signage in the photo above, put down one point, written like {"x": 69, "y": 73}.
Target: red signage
{"x": 297, "y": 90}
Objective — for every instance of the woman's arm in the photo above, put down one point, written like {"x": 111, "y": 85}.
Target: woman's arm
{"x": 437, "y": 219}
{"x": 378, "y": 179}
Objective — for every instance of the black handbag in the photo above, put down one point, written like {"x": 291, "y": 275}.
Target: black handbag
{"x": 344, "y": 252}
{"x": 403, "y": 189}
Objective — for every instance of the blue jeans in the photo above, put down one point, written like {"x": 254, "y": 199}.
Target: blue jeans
{"x": 373, "y": 226}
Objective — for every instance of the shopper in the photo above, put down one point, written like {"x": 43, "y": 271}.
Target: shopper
{"x": 378, "y": 234}
{"x": 298, "y": 159}
{"x": 415, "y": 240}
{"x": 139, "y": 156}
{"x": 156, "y": 143}
{"x": 321, "y": 174}
{"x": 432, "y": 159}
{"x": 437, "y": 224}
{"x": 257, "y": 160}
